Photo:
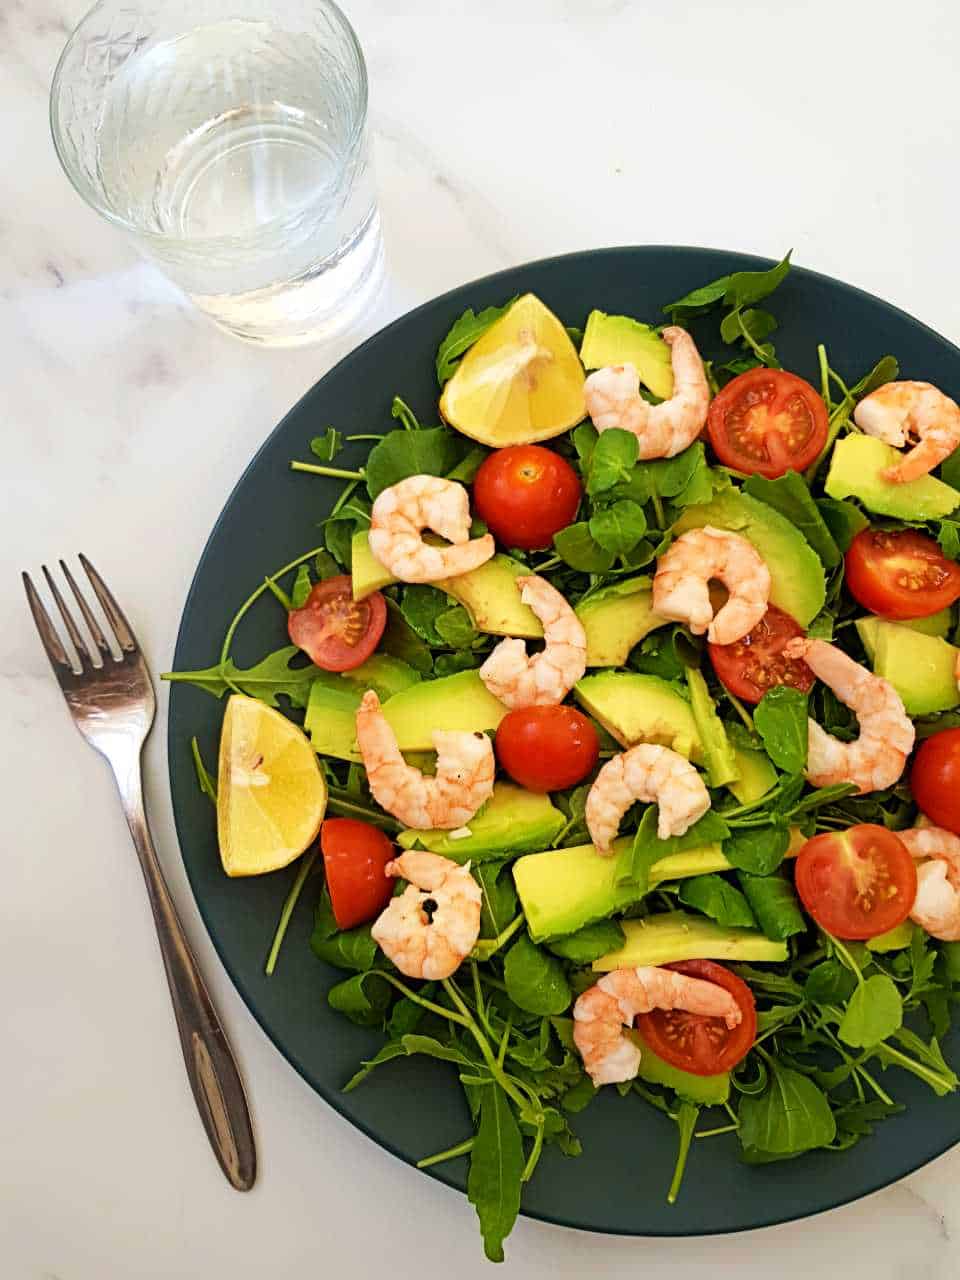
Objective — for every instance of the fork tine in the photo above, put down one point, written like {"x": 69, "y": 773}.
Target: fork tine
{"x": 48, "y": 632}
{"x": 73, "y": 631}
{"x": 121, "y": 628}
{"x": 93, "y": 626}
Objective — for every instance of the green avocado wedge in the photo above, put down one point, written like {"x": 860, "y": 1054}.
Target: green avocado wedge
{"x": 920, "y": 667}
{"x": 640, "y": 708}
{"x": 855, "y": 472}
{"x": 512, "y": 822}
{"x": 615, "y": 619}
{"x": 680, "y": 936}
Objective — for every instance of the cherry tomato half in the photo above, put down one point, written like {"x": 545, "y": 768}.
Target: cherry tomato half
{"x": 752, "y": 665}
{"x": 546, "y": 748}
{"x": 767, "y": 422}
{"x": 336, "y": 631}
{"x": 525, "y": 494}
{"x": 857, "y": 883}
{"x": 354, "y": 856}
{"x": 900, "y": 573}
{"x": 694, "y": 1042}
{"x": 935, "y": 778}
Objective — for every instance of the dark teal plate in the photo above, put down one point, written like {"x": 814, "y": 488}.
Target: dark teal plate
{"x": 414, "y": 1107}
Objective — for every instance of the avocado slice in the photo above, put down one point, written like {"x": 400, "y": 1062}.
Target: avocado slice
{"x": 920, "y": 667}
{"x": 562, "y": 890}
{"x": 615, "y": 619}
{"x": 460, "y": 701}
{"x": 383, "y": 673}
{"x": 613, "y": 340}
{"x": 640, "y": 708}
{"x": 492, "y": 598}
{"x": 796, "y": 571}
{"x": 512, "y": 821}
{"x": 895, "y": 939}
{"x": 718, "y": 753}
{"x": 366, "y": 571}
{"x": 855, "y": 469}
{"x": 708, "y": 1091}
{"x": 757, "y": 775}
{"x": 679, "y": 936}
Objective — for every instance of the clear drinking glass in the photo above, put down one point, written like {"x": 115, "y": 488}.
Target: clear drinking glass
{"x": 228, "y": 138}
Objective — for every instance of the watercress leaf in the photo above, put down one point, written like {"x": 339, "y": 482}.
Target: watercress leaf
{"x": 327, "y": 446}
{"x": 858, "y": 1118}
{"x": 577, "y": 547}
{"x": 422, "y": 605}
{"x": 352, "y": 949}
{"x": 463, "y": 333}
{"x": 874, "y": 1013}
{"x": 614, "y": 457}
{"x": 431, "y": 452}
{"x": 758, "y": 323}
{"x": 579, "y": 1096}
{"x": 401, "y": 641}
{"x": 338, "y": 535}
{"x": 619, "y": 528}
{"x": 948, "y": 538}
{"x": 774, "y": 903}
{"x": 789, "y": 495}
{"x": 781, "y": 721}
{"x": 496, "y": 1170}
{"x": 747, "y": 287}
{"x": 584, "y": 438}
{"x": 302, "y": 586}
{"x": 455, "y": 627}
{"x": 844, "y": 520}
{"x": 792, "y": 1115}
{"x": 535, "y": 979}
{"x": 668, "y": 477}
{"x": 269, "y": 679}
{"x": 364, "y": 998}
{"x": 448, "y": 664}
{"x": 829, "y": 983}
{"x": 325, "y": 566}
{"x": 699, "y": 300}
{"x": 718, "y": 899}
{"x": 205, "y": 780}
{"x": 406, "y": 1015}
{"x": 590, "y": 942}
{"x": 499, "y": 896}
{"x": 757, "y": 850}
{"x": 466, "y": 470}
{"x": 887, "y": 369}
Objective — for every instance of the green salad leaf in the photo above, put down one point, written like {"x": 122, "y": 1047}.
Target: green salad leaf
{"x": 874, "y": 1013}
{"x": 496, "y": 1170}
{"x": 774, "y": 903}
{"x": 781, "y": 721}
{"x": 269, "y": 679}
{"x": 789, "y": 495}
{"x": 792, "y": 1115}
{"x": 535, "y": 979}
{"x": 717, "y": 898}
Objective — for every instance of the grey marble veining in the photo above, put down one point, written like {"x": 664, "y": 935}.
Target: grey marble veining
{"x": 502, "y": 132}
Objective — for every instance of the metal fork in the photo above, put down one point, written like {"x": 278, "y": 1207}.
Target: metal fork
{"x": 113, "y": 705}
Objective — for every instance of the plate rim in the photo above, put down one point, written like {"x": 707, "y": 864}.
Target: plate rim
{"x": 744, "y": 261}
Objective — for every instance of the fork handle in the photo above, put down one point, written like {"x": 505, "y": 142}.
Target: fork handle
{"x": 211, "y": 1066}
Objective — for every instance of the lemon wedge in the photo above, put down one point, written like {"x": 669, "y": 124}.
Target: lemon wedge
{"x": 521, "y": 381}
{"x": 271, "y": 794}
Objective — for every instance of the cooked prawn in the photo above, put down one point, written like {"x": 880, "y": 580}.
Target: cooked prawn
{"x": 911, "y": 413}
{"x": 547, "y": 677}
{"x": 877, "y": 758}
{"x": 936, "y": 907}
{"x": 613, "y": 399}
{"x": 463, "y": 781}
{"x": 605, "y": 1009}
{"x": 433, "y": 925}
{"x": 402, "y": 512}
{"x": 681, "y": 584}
{"x": 650, "y": 773}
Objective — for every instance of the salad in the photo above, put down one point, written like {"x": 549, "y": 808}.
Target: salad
{"x": 629, "y": 760}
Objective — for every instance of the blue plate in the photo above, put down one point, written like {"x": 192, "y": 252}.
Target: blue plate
{"x": 414, "y": 1107}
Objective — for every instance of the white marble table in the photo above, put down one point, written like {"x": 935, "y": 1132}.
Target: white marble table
{"x": 503, "y": 131}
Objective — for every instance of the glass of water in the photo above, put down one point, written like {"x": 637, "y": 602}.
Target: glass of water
{"x": 228, "y": 139}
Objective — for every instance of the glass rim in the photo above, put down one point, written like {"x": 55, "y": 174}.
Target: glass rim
{"x": 88, "y": 193}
